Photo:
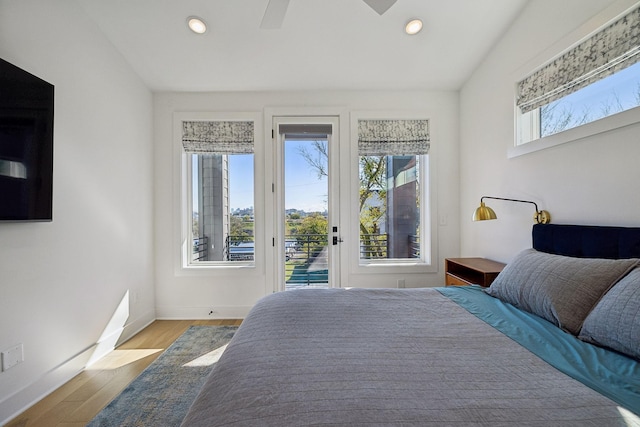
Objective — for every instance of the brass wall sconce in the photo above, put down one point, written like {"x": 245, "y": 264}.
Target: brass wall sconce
{"x": 484, "y": 212}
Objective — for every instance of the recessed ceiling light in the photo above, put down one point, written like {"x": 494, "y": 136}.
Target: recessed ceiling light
{"x": 196, "y": 25}
{"x": 413, "y": 27}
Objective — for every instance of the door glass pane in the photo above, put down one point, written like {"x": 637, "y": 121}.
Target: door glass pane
{"x": 389, "y": 203}
{"x": 222, "y": 208}
{"x": 306, "y": 213}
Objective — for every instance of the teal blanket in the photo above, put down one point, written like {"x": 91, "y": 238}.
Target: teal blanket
{"x": 609, "y": 373}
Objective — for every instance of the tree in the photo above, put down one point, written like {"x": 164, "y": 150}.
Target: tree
{"x": 559, "y": 115}
{"x": 318, "y": 160}
{"x": 372, "y": 195}
{"x": 312, "y": 233}
{"x": 372, "y": 203}
{"x": 238, "y": 231}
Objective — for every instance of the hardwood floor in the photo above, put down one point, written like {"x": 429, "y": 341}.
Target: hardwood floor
{"x": 80, "y": 399}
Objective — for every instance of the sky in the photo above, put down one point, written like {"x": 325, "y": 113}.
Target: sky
{"x": 622, "y": 87}
{"x": 303, "y": 189}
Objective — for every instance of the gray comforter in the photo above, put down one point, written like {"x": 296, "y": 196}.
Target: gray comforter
{"x": 385, "y": 357}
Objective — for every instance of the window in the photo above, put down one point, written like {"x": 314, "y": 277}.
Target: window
{"x": 598, "y": 78}
{"x": 392, "y": 158}
{"x": 220, "y": 165}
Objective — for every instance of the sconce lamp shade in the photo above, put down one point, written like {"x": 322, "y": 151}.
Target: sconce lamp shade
{"x": 484, "y": 212}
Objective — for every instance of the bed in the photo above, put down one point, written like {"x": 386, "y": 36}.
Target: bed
{"x": 554, "y": 341}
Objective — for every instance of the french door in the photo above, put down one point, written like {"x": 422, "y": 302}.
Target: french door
{"x": 306, "y": 202}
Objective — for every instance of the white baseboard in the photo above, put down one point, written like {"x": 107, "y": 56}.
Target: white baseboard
{"x": 29, "y": 395}
{"x": 200, "y": 313}
{"x": 23, "y": 399}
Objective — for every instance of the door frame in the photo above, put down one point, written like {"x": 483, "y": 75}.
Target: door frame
{"x": 338, "y": 206}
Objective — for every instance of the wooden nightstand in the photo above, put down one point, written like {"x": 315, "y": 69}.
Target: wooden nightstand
{"x": 471, "y": 271}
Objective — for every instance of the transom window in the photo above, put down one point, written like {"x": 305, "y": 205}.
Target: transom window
{"x": 598, "y": 78}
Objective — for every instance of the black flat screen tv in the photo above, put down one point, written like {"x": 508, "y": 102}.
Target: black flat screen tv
{"x": 26, "y": 146}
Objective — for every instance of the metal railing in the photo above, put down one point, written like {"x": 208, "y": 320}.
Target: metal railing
{"x": 304, "y": 253}
{"x": 239, "y": 248}
{"x": 307, "y": 261}
{"x": 200, "y": 248}
{"x": 373, "y": 246}
{"x": 414, "y": 246}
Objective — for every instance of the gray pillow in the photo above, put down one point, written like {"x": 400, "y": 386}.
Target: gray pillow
{"x": 561, "y": 289}
{"x": 615, "y": 320}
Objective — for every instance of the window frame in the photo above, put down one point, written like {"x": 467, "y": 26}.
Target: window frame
{"x": 530, "y": 122}
{"x": 605, "y": 124}
{"x": 428, "y": 261}
{"x": 183, "y": 223}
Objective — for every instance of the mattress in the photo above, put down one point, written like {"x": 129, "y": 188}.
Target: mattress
{"x": 392, "y": 357}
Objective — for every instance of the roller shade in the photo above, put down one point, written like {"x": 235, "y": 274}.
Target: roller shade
{"x": 305, "y": 131}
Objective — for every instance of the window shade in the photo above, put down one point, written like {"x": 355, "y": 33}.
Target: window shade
{"x": 305, "y": 131}
{"x": 218, "y": 137}
{"x": 393, "y": 137}
{"x": 612, "y": 49}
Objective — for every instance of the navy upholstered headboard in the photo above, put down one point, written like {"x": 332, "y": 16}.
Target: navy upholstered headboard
{"x": 587, "y": 241}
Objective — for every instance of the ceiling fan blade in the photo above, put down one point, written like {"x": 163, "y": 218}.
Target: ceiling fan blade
{"x": 274, "y": 14}
{"x": 380, "y": 6}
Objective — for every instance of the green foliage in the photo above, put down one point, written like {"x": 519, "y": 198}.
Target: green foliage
{"x": 312, "y": 233}
{"x": 372, "y": 199}
{"x": 373, "y": 193}
{"x": 241, "y": 231}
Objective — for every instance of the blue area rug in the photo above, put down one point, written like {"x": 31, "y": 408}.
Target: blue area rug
{"x": 162, "y": 394}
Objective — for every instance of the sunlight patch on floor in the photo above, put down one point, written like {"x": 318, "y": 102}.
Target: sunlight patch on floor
{"x": 119, "y": 358}
{"x": 207, "y": 359}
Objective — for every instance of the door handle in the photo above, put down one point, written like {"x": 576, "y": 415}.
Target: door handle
{"x": 337, "y": 240}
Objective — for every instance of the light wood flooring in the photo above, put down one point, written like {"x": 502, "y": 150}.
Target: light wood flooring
{"x": 79, "y": 400}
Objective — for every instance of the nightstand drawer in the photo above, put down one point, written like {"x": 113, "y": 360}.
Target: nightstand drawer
{"x": 452, "y": 280}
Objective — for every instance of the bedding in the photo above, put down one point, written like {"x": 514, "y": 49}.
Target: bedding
{"x": 387, "y": 357}
{"x": 445, "y": 356}
{"x": 615, "y": 321}
{"x": 558, "y": 288}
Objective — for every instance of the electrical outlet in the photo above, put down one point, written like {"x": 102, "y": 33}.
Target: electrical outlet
{"x": 12, "y": 356}
{"x": 401, "y": 283}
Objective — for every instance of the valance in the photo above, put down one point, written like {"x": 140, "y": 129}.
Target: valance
{"x": 218, "y": 137}
{"x": 612, "y": 49}
{"x": 393, "y": 137}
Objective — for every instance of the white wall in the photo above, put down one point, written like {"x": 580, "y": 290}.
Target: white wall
{"x": 593, "y": 180}
{"x": 61, "y": 282}
{"x": 193, "y": 296}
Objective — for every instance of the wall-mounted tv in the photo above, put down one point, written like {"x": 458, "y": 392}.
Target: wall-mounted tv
{"x": 26, "y": 146}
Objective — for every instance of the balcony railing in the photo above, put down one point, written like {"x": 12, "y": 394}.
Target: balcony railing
{"x": 374, "y": 246}
{"x": 239, "y": 248}
{"x": 200, "y": 248}
{"x": 306, "y": 255}
{"x": 307, "y": 263}
{"x": 414, "y": 246}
